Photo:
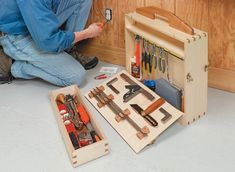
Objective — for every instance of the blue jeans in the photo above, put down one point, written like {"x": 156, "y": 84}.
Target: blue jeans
{"x": 57, "y": 68}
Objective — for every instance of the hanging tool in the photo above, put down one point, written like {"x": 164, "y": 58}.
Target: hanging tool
{"x": 137, "y": 50}
{"x": 135, "y": 61}
{"x": 144, "y": 56}
{"x": 155, "y": 61}
{"x": 167, "y": 65}
{"x": 150, "y": 57}
{"x": 110, "y": 85}
{"x": 162, "y": 60}
{"x": 155, "y": 56}
{"x": 135, "y": 89}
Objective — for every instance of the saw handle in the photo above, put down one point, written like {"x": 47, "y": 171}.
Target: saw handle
{"x": 159, "y": 102}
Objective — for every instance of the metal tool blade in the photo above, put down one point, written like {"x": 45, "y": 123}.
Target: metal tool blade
{"x": 147, "y": 117}
{"x": 137, "y": 108}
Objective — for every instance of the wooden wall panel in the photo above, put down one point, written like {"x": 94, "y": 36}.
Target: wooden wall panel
{"x": 216, "y": 33}
{"x": 110, "y": 46}
{"x": 229, "y": 33}
{"x": 108, "y": 38}
{"x": 165, "y": 4}
{"x": 124, "y": 7}
{"x": 222, "y": 38}
{"x": 217, "y": 17}
{"x": 194, "y": 12}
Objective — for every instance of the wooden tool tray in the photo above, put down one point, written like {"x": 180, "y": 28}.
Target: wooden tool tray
{"x": 89, "y": 152}
{"x": 123, "y": 126}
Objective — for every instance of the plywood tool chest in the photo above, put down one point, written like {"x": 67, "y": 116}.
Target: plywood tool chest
{"x": 79, "y": 156}
{"x": 187, "y": 55}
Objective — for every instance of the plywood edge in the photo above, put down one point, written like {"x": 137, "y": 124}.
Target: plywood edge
{"x": 222, "y": 79}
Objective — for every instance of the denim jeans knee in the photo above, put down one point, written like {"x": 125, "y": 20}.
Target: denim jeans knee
{"x": 77, "y": 78}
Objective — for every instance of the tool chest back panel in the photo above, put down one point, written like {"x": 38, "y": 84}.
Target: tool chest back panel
{"x": 187, "y": 60}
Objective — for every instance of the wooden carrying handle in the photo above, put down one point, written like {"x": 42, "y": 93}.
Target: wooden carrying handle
{"x": 174, "y": 21}
{"x": 159, "y": 102}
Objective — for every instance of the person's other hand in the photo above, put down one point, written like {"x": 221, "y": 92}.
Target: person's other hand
{"x": 95, "y": 29}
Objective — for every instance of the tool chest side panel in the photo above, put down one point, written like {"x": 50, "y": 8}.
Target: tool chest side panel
{"x": 89, "y": 152}
{"x": 125, "y": 130}
{"x": 196, "y": 78}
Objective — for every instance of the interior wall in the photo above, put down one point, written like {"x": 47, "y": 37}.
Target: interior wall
{"x": 216, "y": 17}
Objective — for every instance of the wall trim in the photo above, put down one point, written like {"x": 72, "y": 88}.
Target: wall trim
{"x": 222, "y": 79}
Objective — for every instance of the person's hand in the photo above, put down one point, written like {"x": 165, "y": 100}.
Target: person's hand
{"x": 92, "y": 31}
{"x": 95, "y": 29}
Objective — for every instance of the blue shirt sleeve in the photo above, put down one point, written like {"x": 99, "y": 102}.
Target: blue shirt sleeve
{"x": 43, "y": 26}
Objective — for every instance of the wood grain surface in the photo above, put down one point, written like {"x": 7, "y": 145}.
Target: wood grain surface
{"x": 216, "y": 17}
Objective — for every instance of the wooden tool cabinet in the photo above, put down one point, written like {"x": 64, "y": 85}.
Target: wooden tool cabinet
{"x": 187, "y": 58}
{"x": 87, "y": 153}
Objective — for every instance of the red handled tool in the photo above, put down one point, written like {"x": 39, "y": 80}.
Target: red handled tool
{"x": 86, "y": 120}
{"x": 102, "y": 76}
{"x": 137, "y": 50}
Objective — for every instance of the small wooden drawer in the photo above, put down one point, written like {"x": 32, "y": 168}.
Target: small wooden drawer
{"x": 86, "y": 153}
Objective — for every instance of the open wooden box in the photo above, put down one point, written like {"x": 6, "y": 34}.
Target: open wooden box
{"x": 87, "y": 153}
{"x": 187, "y": 56}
